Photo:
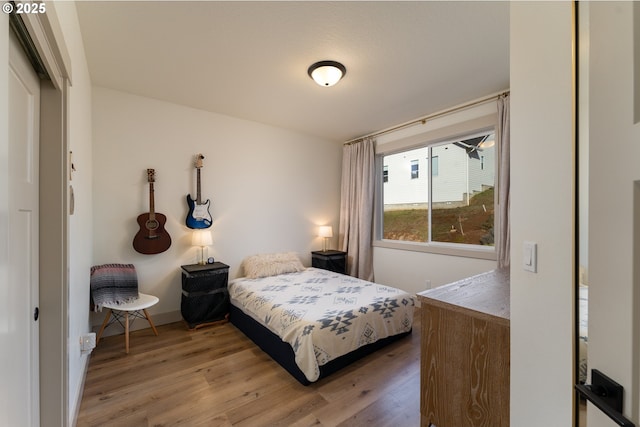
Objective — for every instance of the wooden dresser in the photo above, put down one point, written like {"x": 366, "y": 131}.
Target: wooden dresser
{"x": 464, "y": 371}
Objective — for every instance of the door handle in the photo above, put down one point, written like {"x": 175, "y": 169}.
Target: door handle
{"x": 36, "y": 314}
{"x": 606, "y": 395}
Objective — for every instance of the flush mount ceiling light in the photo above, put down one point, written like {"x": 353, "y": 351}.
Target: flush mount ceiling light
{"x": 327, "y": 73}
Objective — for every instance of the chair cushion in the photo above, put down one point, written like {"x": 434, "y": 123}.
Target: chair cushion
{"x": 113, "y": 284}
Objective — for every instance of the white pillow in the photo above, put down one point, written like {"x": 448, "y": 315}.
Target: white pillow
{"x": 265, "y": 265}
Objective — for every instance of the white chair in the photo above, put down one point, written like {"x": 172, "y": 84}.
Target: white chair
{"x": 125, "y": 310}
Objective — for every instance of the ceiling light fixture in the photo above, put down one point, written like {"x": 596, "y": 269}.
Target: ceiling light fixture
{"x": 487, "y": 144}
{"x": 327, "y": 73}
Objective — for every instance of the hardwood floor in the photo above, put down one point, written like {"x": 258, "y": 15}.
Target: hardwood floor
{"x": 216, "y": 376}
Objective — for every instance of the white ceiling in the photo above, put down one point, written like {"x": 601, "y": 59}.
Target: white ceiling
{"x": 249, "y": 60}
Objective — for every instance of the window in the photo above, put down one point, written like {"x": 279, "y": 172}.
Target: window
{"x": 453, "y": 202}
{"x": 434, "y": 166}
{"x": 415, "y": 172}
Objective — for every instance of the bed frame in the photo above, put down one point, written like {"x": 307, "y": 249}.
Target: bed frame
{"x": 282, "y": 352}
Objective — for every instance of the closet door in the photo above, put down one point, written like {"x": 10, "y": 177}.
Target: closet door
{"x": 20, "y": 318}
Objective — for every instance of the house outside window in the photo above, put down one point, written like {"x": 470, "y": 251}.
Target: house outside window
{"x": 385, "y": 173}
{"x": 452, "y": 203}
{"x": 434, "y": 166}
{"x": 415, "y": 169}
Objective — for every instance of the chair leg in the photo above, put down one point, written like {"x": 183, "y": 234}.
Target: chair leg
{"x": 148, "y": 316}
{"x": 104, "y": 325}
{"x": 126, "y": 325}
{"x": 126, "y": 331}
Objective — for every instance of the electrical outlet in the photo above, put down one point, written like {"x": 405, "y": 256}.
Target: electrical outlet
{"x": 87, "y": 342}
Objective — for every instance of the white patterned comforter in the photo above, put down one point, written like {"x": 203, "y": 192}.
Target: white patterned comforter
{"x": 323, "y": 315}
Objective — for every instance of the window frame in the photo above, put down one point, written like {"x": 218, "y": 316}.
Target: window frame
{"x": 432, "y": 138}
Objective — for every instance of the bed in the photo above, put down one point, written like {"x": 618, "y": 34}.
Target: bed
{"x": 313, "y": 321}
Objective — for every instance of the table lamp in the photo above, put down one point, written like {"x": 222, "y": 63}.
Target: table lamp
{"x": 325, "y": 231}
{"x": 202, "y": 238}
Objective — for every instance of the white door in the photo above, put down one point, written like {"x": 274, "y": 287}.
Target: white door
{"x": 21, "y": 372}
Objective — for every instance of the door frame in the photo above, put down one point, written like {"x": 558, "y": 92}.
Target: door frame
{"x": 46, "y": 36}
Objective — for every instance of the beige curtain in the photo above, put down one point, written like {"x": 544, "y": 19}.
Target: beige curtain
{"x": 356, "y": 207}
{"x": 503, "y": 234}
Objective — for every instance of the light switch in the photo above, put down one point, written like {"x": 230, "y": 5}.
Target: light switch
{"x": 530, "y": 257}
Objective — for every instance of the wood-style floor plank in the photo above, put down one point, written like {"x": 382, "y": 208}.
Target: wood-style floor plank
{"x": 215, "y": 376}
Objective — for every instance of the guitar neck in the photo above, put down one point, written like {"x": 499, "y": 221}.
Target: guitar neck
{"x": 152, "y": 210}
{"x": 198, "y": 200}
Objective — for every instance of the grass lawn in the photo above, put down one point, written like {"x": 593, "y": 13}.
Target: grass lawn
{"x": 471, "y": 224}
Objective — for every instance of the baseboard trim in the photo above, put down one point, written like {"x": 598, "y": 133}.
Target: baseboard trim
{"x": 76, "y": 409}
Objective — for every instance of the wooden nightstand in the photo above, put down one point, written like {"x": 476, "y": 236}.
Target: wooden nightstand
{"x": 205, "y": 297}
{"x": 330, "y": 260}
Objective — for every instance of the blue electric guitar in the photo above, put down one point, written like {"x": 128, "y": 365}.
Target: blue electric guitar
{"x": 198, "y": 216}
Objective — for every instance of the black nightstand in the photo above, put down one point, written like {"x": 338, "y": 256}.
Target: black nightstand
{"x": 205, "y": 297}
{"x": 330, "y": 260}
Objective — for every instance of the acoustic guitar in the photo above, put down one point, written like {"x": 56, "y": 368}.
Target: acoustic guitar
{"x": 199, "y": 215}
{"x": 152, "y": 238}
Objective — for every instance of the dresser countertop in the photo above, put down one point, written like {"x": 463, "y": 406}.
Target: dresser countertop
{"x": 485, "y": 295}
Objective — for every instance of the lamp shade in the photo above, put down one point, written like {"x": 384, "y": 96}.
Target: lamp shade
{"x": 325, "y": 231}
{"x": 201, "y": 238}
{"x": 327, "y": 73}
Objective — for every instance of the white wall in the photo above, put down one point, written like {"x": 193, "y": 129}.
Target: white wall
{"x": 410, "y": 270}
{"x": 269, "y": 188}
{"x": 542, "y": 197}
